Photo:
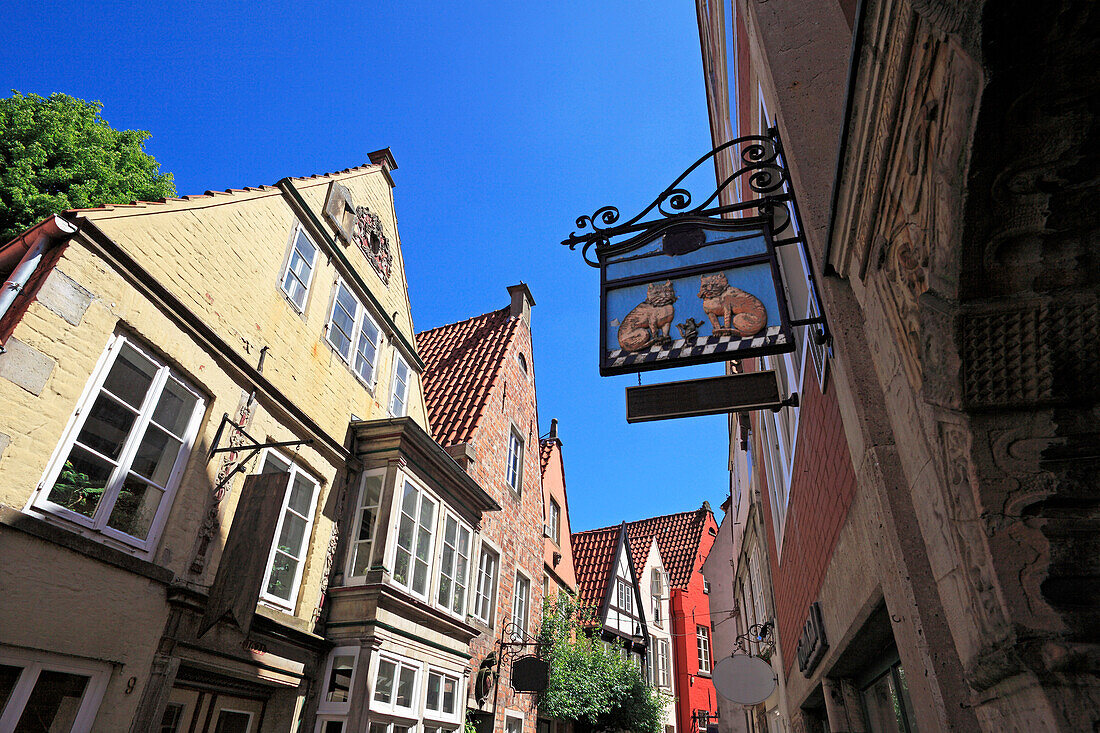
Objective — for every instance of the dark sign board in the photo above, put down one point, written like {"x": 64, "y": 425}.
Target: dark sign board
{"x": 530, "y": 674}
{"x": 691, "y": 291}
{"x": 707, "y": 396}
{"x": 812, "y": 644}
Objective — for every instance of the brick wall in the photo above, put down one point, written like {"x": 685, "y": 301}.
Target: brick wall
{"x": 517, "y": 528}
{"x": 691, "y": 607}
{"x": 822, "y": 488}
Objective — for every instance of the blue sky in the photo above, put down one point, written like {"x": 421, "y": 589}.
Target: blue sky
{"x": 507, "y": 121}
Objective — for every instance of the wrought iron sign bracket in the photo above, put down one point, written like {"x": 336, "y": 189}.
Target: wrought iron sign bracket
{"x": 674, "y": 248}
{"x": 254, "y": 448}
{"x": 759, "y": 634}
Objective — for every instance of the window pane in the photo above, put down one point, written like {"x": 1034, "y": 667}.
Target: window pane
{"x": 383, "y": 686}
{"x": 230, "y": 721}
{"x": 281, "y": 583}
{"x": 135, "y": 508}
{"x": 79, "y": 487}
{"x": 175, "y": 408}
{"x": 9, "y": 675}
{"x": 337, "y": 726}
{"x": 339, "y": 681}
{"x": 301, "y": 495}
{"x": 107, "y": 427}
{"x": 406, "y": 681}
{"x": 431, "y": 699}
{"x": 173, "y": 713}
{"x": 883, "y": 707}
{"x": 292, "y": 534}
{"x": 367, "y": 350}
{"x": 156, "y": 455}
{"x": 378, "y": 728}
{"x": 130, "y": 376}
{"x": 449, "y": 685}
{"x": 273, "y": 463}
{"x": 305, "y": 248}
{"x": 53, "y": 704}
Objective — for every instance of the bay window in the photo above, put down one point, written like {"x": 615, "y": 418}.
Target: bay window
{"x": 442, "y": 696}
{"x": 415, "y": 536}
{"x": 365, "y": 524}
{"x": 395, "y": 687}
{"x": 454, "y": 565}
{"x": 119, "y": 463}
{"x": 287, "y": 557}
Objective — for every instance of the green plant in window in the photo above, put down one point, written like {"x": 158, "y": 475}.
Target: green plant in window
{"x": 75, "y": 490}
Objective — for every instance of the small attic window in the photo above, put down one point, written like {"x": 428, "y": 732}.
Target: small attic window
{"x": 522, "y": 362}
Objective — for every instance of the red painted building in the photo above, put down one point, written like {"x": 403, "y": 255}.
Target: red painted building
{"x": 684, "y": 541}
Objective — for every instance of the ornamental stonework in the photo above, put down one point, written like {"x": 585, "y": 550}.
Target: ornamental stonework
{"x": 370, "y": 239}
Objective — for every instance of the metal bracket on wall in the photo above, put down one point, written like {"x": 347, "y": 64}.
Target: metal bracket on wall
{"x": 255, "y": 447}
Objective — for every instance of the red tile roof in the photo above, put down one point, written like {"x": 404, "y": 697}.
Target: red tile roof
{"x": 546, "y": 447}
{"x": 677, "y": 537}
{"x": 593, "y": 559}
{"x": 462, "y": 361}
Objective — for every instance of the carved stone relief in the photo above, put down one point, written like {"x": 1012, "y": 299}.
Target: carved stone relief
{"x": 917, "y": 220}
{"x": 372, "y": 242}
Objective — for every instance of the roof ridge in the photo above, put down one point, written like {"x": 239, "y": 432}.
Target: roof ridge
{"x": 464, "y": 320}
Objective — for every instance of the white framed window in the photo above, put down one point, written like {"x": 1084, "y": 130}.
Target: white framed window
{"x": 656, "y": 593}
{"x": 288, "y": 553}
{"x": 706, "y": 587}
{"x": 396, "y": 686}
{"x": 40, "y": 691}
{"x": 399, "y": 387}
{"x": 338, "y": 679}
{"x": 624, "y": 596}
{"x": 513, "y": 721}
{"x": 662, "y": 663}
{"x": 488, "y": 568}
{"x": 416, "y": 521}
{"x": 515, "y": 461}
{"x": 443, "y": 696}
{"x": 119, "y": 462}
{"x": 298, "y": 269}
{"x": 702, "y": 641}
{"x": 440, "y": 729}
{"x": 554, "y": 522}
{"x": 352, "y": 333}
{"x": 362, "y": 549}
{"x": 651, "y": 662}
{"x": 327, "y": 724}
{"x": 521, "y": 604}
{"x": 392, "y": 726}
{"x": 454, "y": 565}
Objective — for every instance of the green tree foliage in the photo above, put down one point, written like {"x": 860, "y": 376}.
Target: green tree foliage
{"x": 589, "y": 684}
{"x": 57, "y": 153}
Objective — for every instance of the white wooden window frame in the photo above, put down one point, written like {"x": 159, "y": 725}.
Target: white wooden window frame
{"x": 324, "y": 707}
{"x": 404, "y": 479}
{"x": 446, "y": 514}
{"x": 555, "y": 522}
{"x": 295, "y": 470}
{"x": 494, "y": 589}
{"x": 96, "y": 526}
{"x": 438, "y": 716}
{"x": 33, "y": 664}
{"x": 292, "y": 245}
{"x": 411, "y": 712}
{"x": 514, "y": 715}
{"x": 398, "y": 361}
{"x": 702, "y": 648}
{"x": 524, "y": 623}
{"x": 360, "y": 318}
{"x": 656, "y": 595}
{"x": 353, "y": 538}
{"x": 663, "y": 663}
{"x": 514, "y": 467}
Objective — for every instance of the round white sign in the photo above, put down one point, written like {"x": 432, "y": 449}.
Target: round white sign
{"x": 743, "y": 679}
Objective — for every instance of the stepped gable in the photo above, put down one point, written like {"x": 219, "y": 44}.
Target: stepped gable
{"x": 462, "y": 362}
{"x": 593, "y": 560}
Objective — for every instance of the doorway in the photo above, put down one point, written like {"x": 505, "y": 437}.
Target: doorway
{"x": 202, "y": 711}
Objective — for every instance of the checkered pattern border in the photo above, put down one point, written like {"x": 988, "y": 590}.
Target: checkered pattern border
{"x": 682, "y": 349}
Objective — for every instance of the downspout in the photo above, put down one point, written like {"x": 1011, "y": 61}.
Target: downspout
{"x": 46, "y": 234}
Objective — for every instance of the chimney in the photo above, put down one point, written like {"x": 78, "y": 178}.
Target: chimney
{"x": 521, "y": 301}
{"x": 553, "y": 429}
{"x": 385, "y": 159}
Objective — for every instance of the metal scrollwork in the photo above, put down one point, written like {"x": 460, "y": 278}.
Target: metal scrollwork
{"x": 760, "y": 635}
{"x": 761, "y": 170}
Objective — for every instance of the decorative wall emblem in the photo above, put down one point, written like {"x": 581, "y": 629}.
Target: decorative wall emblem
{"x": 372, "y": 242}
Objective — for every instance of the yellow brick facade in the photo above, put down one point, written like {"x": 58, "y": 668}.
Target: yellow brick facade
{"x": 219, "y": 259}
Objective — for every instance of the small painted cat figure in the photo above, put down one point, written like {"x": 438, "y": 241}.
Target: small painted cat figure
{"x": 649, "y": 321}
{"x": 741, "y": 313}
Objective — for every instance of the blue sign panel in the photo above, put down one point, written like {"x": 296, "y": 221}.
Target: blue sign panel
{"x": 692, "y": 292}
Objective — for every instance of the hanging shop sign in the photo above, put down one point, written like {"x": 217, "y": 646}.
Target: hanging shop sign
{"x": 707, "y": 396}
{"x": 684, "y": 284}
{"x": 530, "y": 674}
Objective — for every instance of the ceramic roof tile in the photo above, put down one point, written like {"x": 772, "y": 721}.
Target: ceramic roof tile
{"x": 677, "y": 538}
{"x": 593, "y": 559}
{"x": 462, "y": 361}
{"x": 546, "y": 448}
